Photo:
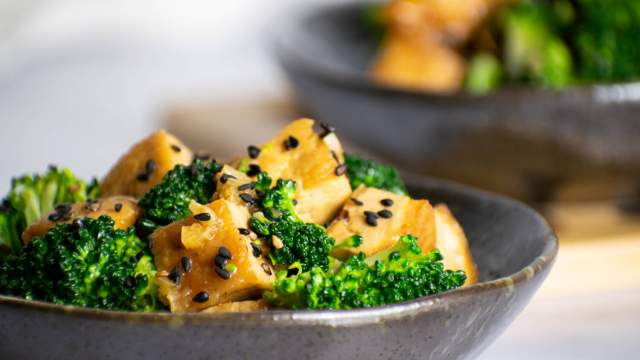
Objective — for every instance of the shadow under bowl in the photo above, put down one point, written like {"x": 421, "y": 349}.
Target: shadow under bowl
{"x": 533, "y": 144}
{"x": 512, "y": 245}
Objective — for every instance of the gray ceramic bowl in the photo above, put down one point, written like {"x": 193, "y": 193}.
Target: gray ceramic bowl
{"x": 536, "y": 145}
{"x": 512, "y": 245}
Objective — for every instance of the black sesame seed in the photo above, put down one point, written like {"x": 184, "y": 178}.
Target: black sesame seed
{"x": 61, "y": 212}
{"x": 202, "y": 217}
{"x": 220, "y": 261}
{"x": 253, "y": 151}
{"x": 386, "y": 214}
{"x": 150, "y": 167}
{"x": 326, "y": 130}
{"x": 142, "y": 177}
{"x": 370, "y": 214}
{"x": 175, "y": 276}
{"x": 186, "y": 263}
{"x": 266, "y": 269}
{"x": 244, "y": 231}
{"x": 176, "y": 148}
{"x": 254, "y": 170}
{"x": 225, "y": 177}
{"x": 53, "y": 168}
{"x": 118, "y": 207}
{"x": 55, "y": 217}
{"x": 357, "y": 202}
{"x": 371, "y": 218}
{"x": 256, "y": 250}
{"x": 201, "y": 297}
{"x": 247, "y": 186}
{"x": 291, "y": 143}
{"x": 341, "y": 169}
{"x": 386, "y": 202}
{"x": 224, "y": 252}
{"x": 248, "y": 199}
{"x": 224, "y": 274}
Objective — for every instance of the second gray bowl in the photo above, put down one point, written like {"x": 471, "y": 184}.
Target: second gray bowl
{"x": 533, "y": 144}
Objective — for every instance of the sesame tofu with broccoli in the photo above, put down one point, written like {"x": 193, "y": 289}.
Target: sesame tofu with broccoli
{"x": 295, "y": 224}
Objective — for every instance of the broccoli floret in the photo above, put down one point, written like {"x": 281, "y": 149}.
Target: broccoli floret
{"x": 484, "y": 74}
{"x": 86, "y": 263}
{"x": 169, "y": 200}
{"x": 533, "y": 51}
{"x": 605, "y": 39}
{"x": 294, "y": 241}
{"x": 32, "y": 197}
{"x": 400, "y": 274}
{"x": 374, "y": 174}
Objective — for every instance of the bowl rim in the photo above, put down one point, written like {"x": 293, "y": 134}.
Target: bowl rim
{"x": 612, "y": 92}
{"x": 338, "y": 318}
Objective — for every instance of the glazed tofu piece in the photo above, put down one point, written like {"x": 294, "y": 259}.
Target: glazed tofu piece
{"x": 231, "y": 184}
{"x": 405, "y": 62}
{"x": 145, "y": 164}
{"x": 453, "y": 244}
{"x": 314, "y": 159}
{"x": 210, "y": 258}
{"x": 123, "y": 210}
{"x": 381, "y": 218}
{"x": 238, "y": 307}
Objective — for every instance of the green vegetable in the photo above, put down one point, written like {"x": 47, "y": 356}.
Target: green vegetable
{"x": 169, "y": 201}
{"x": 533, "y": 51}
{"x": 303, "y": 243}
{"x": 86, "y": 263}
{"x": 555, "y": 43}
{"x": 484, "y": 74}
{"x": 32, "y": 197}
{"x": 400, "y": 274}
{"x": 605, "y": 38}
{"x": 373, "y": 174}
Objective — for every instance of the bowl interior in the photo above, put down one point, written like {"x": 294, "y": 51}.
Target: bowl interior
{"x": 533, "y": 144}
{"x": 506, "y": 237}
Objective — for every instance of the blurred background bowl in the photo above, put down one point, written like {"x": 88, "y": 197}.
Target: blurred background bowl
{"x": 533, "y": 144}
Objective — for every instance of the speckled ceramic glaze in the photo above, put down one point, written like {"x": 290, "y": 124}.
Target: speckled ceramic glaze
{"x": 513, "y": 246}
{"x": 545, "y": 141}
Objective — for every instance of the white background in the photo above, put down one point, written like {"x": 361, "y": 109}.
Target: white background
{"x": 80, "y": 80}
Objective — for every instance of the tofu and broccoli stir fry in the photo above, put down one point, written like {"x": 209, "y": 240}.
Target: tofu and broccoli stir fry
{"x": 293, "y": 224}
{"x": 479, "y": 46}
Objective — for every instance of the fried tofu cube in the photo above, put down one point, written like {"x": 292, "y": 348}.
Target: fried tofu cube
{"x": 123, "y": 210}
{"x": 453, "y": 244}
{"x": 315, "y": 161}
{"x": 145, "y": 164}
{"x": 222, "y": 264}
{"x": 231, "y": 183}
{"x": 404, "y": 62}
{"x": 400, "y": 216}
